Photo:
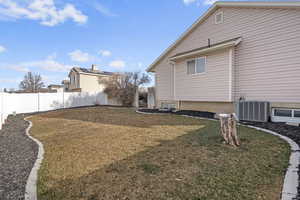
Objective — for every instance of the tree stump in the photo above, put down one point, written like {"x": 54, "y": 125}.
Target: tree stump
{"x": 228, "y": 129}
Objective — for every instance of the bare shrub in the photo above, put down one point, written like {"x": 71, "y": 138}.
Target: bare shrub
{"x": 124, "y": 86}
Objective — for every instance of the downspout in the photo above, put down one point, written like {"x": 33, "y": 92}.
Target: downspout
{"x": 173, "y": 64}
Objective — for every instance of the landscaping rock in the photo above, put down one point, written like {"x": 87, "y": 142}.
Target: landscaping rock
{"x": 17, "y": 157}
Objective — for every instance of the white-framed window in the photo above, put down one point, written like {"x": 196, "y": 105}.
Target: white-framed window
{"x": 283, "y": 112}
{"x": 219, "y": 18}
{"x": 286, "y": 112}
{"x": 297, "y": 113}
{"x": 196, "y": 66}
{"x": 290, "y": 115}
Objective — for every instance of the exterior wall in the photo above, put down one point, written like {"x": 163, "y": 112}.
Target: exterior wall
{"x": 165, "y": 82}
{"x": 285, "y": 105}
{"x": 266, "y": 61}
{"x": 90, "y": 83}
{"x": 212, "y": 85}
{"x": 74, "y": 81}
{"x": 215, "y": 107}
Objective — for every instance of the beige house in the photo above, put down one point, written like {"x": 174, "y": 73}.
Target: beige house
{"x": 87, "y": 80}
{"x": 55, "y": 88}
{"x": 235, "y": 51}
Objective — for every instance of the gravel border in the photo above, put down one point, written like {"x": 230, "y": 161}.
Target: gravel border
{"x": 31, "y": 185}
{"x": 290, "y": 190}
{"x": 19, "y": 152}
{"x": 17, "y": 156}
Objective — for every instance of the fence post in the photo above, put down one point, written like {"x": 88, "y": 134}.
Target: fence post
{"x": 63, "y": 93}
{"x": 38, "y": 102}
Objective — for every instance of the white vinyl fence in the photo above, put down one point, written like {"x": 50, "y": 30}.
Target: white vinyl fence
{"x": 38, "y": 102}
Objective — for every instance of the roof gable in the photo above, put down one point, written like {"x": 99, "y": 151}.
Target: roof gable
{"x": 211, "y": 10}
{"x": 90, "y": 72}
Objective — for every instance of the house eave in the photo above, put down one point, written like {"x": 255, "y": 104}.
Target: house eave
{"x": 94, "y": 74}
{"x": 213, "y": 8}
{"x": 213, "y": 48}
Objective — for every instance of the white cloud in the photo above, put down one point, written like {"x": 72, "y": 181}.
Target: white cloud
{"x": 199, "y": 2}
{"x": 44, "y": 11}
{"x": 80, "y": 56}
{"x": 48, "y": 64}
{"x": 187, "y": 2}
{"x": 2, "y": 49}
{"x": 19, "y": 68}
{"x": 117, "y": 64}
{"x": 104, "y": 10}
{"x": 9, "y": 80}
{"x": 52, "y": 79}
{"x": 209, "y": 2}
{"x": 105, "y": 53}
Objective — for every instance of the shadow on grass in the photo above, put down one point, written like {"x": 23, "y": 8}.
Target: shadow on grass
{"x": 193, "y": 166}
{"x": 119, "y": 116}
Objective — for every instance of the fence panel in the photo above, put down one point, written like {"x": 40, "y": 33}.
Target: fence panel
{"x": 51, "y": 101}
{"x": 38, "y": 102}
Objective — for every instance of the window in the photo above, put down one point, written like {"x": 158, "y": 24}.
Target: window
{"x": 196, "y": 66}
{"x": 191, "y": 67}
{"x": 283, "y": 113}
{"x": 296, "y": 113}
{"x": 219, "y": 18}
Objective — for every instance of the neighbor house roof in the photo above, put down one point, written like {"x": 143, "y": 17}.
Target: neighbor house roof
{"x": 92, "y": 72}
{"x": 54, "y": 85}
{"x": 220, "y": 4}
{"x": 65, "y": 81}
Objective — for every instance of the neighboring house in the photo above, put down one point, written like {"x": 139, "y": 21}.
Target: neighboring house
{"x": 235, "y": 51}
{"x": 87, "y": 80}
{"x": 66, "y": 85}
{"x": 55, "y": 88}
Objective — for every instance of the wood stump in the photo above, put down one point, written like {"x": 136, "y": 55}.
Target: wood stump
{"x": 228, "y": 129}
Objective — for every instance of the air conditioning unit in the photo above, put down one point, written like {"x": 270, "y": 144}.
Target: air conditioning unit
{"x": 253, "y": 110}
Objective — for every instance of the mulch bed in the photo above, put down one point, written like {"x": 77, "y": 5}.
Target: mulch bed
{"x": 182, "y": 112}
{"x": 17, "y": 156}
{"x": 292, "y": 132}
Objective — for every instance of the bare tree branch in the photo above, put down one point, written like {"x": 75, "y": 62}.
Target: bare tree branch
{"x": 124, "y": 86}
{"x": 31, "y": 83}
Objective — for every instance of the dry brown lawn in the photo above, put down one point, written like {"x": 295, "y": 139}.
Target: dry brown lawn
{"x": 114, "y": 153}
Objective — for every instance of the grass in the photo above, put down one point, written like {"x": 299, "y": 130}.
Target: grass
{"x": 114, "y": 153}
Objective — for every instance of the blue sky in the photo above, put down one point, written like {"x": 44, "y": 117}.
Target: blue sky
{"x": 51, "y": 36}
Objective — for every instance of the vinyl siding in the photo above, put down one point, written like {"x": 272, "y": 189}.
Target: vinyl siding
{"x": 267, "y": 62}
{"x": 74, "y": 81}
{"x": 213, "y": 84}
{"x": 165, "y": 79}
{"x": 90, "y": 83}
